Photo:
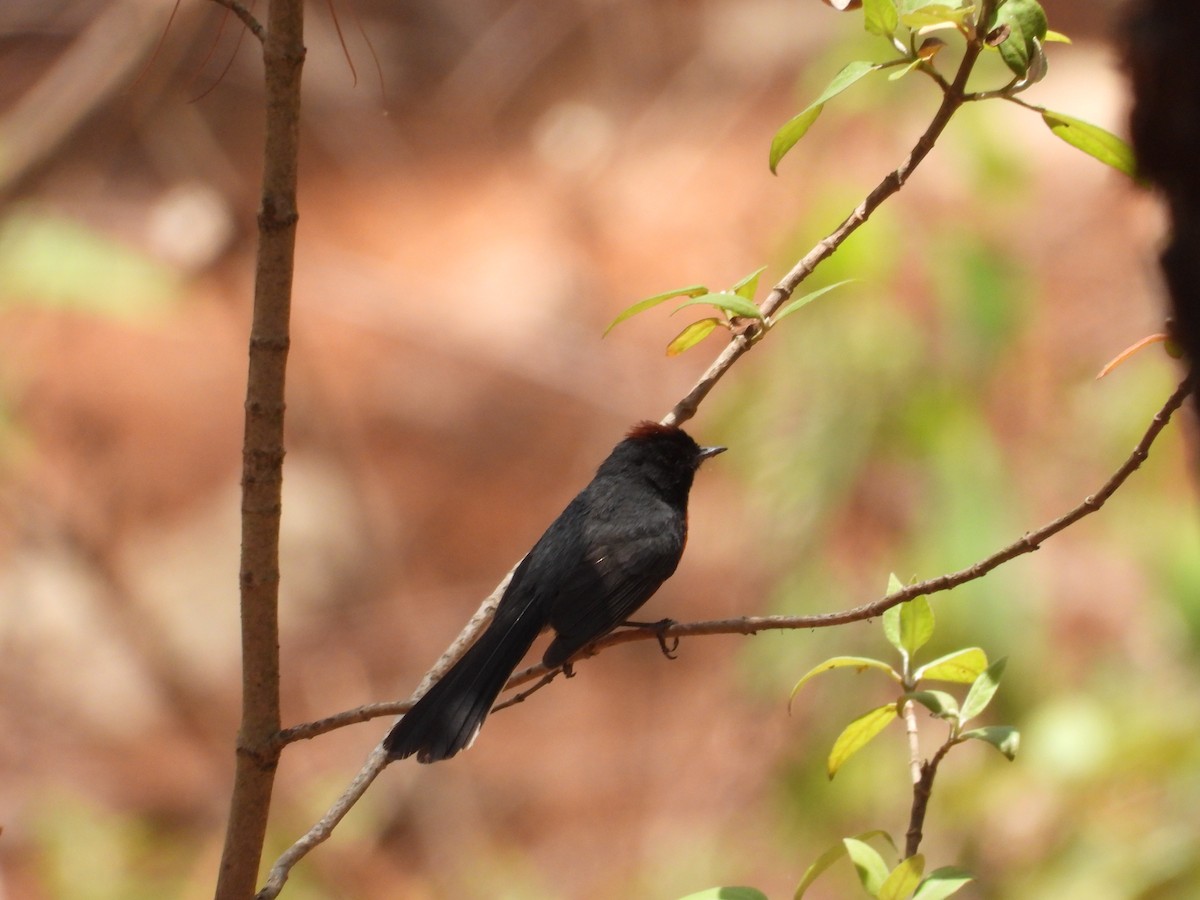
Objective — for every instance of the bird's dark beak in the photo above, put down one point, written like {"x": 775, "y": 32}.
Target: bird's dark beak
{"x": 706, "y": 452}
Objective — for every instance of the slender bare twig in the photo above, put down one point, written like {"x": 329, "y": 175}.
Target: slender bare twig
{"x": 922, "y": 789}
{"x": 521, "y": 696}
{"x": 247, "y": 17}
{"x": 278, "y": 875}
{"x": 914, "y": 740}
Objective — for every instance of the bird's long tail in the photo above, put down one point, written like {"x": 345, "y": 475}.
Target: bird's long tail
{"x": 449, "y": 716}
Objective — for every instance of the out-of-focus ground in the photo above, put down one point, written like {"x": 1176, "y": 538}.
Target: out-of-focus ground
{"x": 487, "y": 189}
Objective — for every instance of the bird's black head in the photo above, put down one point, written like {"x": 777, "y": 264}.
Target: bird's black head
{"x": 664, "y": 455}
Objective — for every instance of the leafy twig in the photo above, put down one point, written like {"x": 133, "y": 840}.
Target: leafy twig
{"x": 953, "y": 97}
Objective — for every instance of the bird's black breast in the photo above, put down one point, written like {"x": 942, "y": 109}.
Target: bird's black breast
{"x": 605, "y": 556}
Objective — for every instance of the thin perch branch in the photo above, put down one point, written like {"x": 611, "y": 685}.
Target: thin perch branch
{"x": 749, "y": 625}
{"x": 278, "y": 876}
{"x": 953, "y": 97}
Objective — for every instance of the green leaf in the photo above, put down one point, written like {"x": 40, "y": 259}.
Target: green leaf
{"x": 872, "y": 870}
{"x": 903, "y": 879}
{"x": 900, "y": 73}
{"x": 891, "y": 615}
{"x": 731, "y": 303}
{"x": 910, "y": 6}
{"x": 832, "y": 855}
{"x": 789, "y": 135}
{"x": 691, "y": 336}
{"x": 880, "y": 17}
{"x": 800, "y": 302}
{"x": 961, "y": 666}
{"x": 728, "y": 893}
{"x": 1092, "y": 140}
{"x": 933, "y": 14}
{"x": 841, "y": 662}
{"x": 909, "y": 625}
{"x": 694, "y": 290}
{"x": 858, "y": 734}
{"x": 941, "y": 704}
{"x": 1004, "y": 738}
{"x": 916, "y": 624}
{"x": 891, "y": 626}
{"x": 1056, "y": 37}
{"x": 983, "y": 689}
{"x": 1027, "y": 23}
{"x": 942, "y": 883}
{"x": 748, "y": 286}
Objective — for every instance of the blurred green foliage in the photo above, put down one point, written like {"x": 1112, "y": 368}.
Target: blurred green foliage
{"x": 51, "y": 260}
{"x": 900, "y": 392}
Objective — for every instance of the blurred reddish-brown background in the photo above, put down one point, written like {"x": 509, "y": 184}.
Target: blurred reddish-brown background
{"x": 486, "y": 188}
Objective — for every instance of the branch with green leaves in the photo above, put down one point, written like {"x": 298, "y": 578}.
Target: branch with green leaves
{"x": 908, "y": 628}
{"x": 1017, "y": 30}
{"x": 911, "y": 29}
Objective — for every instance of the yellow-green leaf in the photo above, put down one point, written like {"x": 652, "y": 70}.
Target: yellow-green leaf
{"x": 832, "y": 855}
{"x": 801, "y": 302}
{"x": 694, "y": 290}
{"x": 982, "y": 690}
{"x": 910, "y": 625}
{"x": 731, "y": 303}
{"x": 1092, "y": 140}
{"x": 748, "y": 286}
{"x": 841, "y": 662}
{"x": 903, "y": 879}
{"x": 858, "y": 734}
{"x": 900, "y": 73}
{"x": 691, "y": 336}
{"x": 880, "y": 17}
{"x": 790, "y": 133}
{"x": 916, "y": 624}
{"x": 868, "y": 864}
{"x": 961, "y": 666}
{"x": 943, "y": 883}
{"x": 728, "y": 893}
{"x": 934, "y": 14}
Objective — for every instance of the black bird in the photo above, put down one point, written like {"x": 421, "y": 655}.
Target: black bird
{"x": 598, "y": 562}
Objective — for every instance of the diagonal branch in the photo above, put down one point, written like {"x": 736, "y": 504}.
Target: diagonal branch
{"x": 953, "y": 97}
{"x": 247, "y": 17}
{"x": 1027, "y": 543}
